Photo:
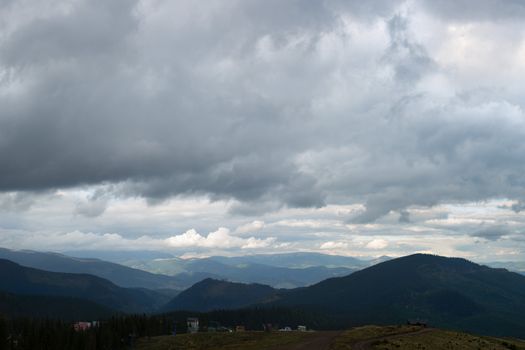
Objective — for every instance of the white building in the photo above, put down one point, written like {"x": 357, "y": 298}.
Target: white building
{"x": 193, "y": 324}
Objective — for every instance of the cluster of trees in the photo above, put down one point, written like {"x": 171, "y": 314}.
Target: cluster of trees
{"x": 122, "y": 332}
{"x": 119, "y": 332}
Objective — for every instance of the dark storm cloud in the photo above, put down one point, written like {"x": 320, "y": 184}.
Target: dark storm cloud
{"x": 85, "y": 116}
{"x": 404, "y": 217}
{"x": 515, "y": 207}
{"x": 492, "y": 233}
{"x": 272, "y": 103}
{"x": 408, "y": 58}
{"x": 94, "y": 28}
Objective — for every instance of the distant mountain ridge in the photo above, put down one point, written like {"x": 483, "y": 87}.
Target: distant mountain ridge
{"x": 516, "y": 266}
{"x": 276, "y": 270}
{"x": 278, "y": 277}
{"x": 295, "y": 260}
{"x": 123, "y": 276}
{"x": 169, "y": 272}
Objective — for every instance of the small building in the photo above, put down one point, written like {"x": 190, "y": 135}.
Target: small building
{"x": 192, "y": 324}
{"x": 81, "y": 326}
{"x": 268, "y": 327}
{"x": 301, "y": 328}
{"x": 240, "y": 328}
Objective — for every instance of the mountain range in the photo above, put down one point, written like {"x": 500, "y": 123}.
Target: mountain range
{"x": 289, "y": 270}
{"x": 297, "y": 260}
{"x": 278, "y": 277}
{"x": 448, "y": 292}
{"x": 516, "y": 266}
{"x": 175, "y": 274}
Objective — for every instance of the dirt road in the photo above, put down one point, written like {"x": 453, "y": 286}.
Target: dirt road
{"x": 368, "y": 343}
{"x": 317, "y": 341}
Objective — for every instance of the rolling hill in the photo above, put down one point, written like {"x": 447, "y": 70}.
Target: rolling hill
{"x": 17, "y": 279}
{"x": 449, "y": 292}
{"x": 211, "y": 294}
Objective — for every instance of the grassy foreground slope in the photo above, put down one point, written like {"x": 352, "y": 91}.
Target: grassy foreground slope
{"x": 411, "y": 338}
{"x": 219, "y": 341}
{"x": 360, "y": 338}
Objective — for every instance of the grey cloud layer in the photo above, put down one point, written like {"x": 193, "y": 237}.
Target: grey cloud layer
{"x": 297, "y": 103}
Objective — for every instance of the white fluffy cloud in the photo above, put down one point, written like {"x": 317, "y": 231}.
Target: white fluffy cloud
{"x": 483, "y": 231}
{"x": 333, "y": 245}
{"x": 217, "y": 239}
{"x": 76, "y": 240}
{"x": 377, "y": 243}
{"x": 250, "y": 227}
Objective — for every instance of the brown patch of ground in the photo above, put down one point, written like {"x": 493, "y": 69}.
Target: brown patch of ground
{"x": 316, "y": 341}
{"x": 370, "y": 343}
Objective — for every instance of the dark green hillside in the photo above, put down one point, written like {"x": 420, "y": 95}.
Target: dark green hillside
{"x": 211, "y": 294}
{"x": 449, "y": 292}
{"x": 36, "y": 306}
{"x": 28, "y": 281}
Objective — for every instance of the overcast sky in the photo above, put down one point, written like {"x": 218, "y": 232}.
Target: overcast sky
{"x": 236, "y": 127}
